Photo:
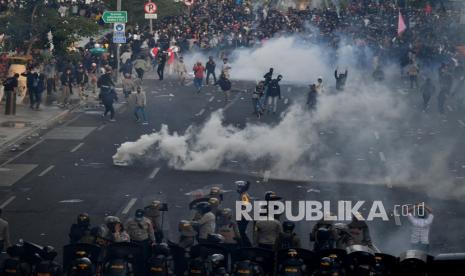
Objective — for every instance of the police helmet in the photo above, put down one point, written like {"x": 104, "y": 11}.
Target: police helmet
{"x": 215, "y": 238}
{"x": 186, "y": 229}
{"x": 226, "y": 213}
{"x": 139, "y": 213}
{"x": 49, "y": 252}
{"x": 217, "y": 258}
{"x": 292, "y": 253}
{"x": 214, "y": 202}
{"x": 161, "y": 249}
{"x": 203, "y": 207}
{"x": 288, "y": 226}
{"x": 242, "y": 186}
{"x": 82, "y": 264}
{"x": 112, "y": 219}
{"x": 83, "y": 219}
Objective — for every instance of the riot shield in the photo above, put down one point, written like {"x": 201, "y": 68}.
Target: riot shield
{"x": 307, "y": 256}
{"x": 263, "y": 257}
{"x": 385, "y": 265}
{"x": 453, "y": 263}
{"x": 205, "y": 250}
{"x": 179, "y": 258}
{"x": 32, "y": 253}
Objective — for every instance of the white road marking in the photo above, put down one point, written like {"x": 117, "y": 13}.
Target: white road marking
{"x": 17, "y": 156}
{"x": 382, "y": 157}
{"x": 266, "y": 176}
{"x": 44, "y": 172}
{"x": 200, "y": 112}
{"x": 286, "y": 100}
{"x": 461, "y": 122}
{"x": 211, "y": 99}
{"x": 397, "y": 220}
{"x": 154, "y": 173}
{"x": 8, "y": 201}
{"x": 450, "y": 108}
{"x": 77, "y": 147}
{"x": 71, "y": 201}
{"x": 376, "y": 135}
{"x": 129, "y": 206}
{"x": 101, "y": 127}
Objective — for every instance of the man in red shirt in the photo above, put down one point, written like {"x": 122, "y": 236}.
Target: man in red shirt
{"x": 198, "y": 75}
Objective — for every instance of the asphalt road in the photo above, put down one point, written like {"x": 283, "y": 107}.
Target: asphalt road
{"x": 68, "y": 170}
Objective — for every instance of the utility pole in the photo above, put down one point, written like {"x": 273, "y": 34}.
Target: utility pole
{"x": 118, "y": 8}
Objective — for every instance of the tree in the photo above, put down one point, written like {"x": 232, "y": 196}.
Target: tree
{"x": 27, "y": 26}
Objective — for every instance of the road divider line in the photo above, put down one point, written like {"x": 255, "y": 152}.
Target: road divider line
{"x": 129, "y": 206}
{"x": 200, "y": 112}
{"x": 461, "y": 122}
{"x": 397, "y": 220}
{"x": 266, "y": 176}
{"x": 77, "y": 147}
{"x": 44, "y": 172}
{"x": 376, "y": 135}
{"x": 17, "y": 156}
{"x": 382, "y": 157}
{"x": 450, "y": 108}
{"x": 154, "y": 173}
{"x": 8, "y": 201}
{"x": 101, "y": 127}
{"x": 286, "y": 100}
{"x": 232, "y": 102}
{"x": 211, "y": 99}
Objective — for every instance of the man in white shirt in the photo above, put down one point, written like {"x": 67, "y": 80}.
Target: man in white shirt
{"x": 421, "y": 217}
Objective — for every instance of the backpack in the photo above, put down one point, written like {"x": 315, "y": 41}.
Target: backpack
{"x": 9, "y": 84}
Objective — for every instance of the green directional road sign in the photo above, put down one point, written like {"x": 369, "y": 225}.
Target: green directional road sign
{"x": 115, "y": 17}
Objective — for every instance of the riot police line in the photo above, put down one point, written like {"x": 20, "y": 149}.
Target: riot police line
{"x": 226, "y": 250}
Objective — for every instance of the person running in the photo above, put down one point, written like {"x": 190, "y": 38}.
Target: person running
{"x": 198, "y": 75}
{"x": 256, "y": 97}
{"x": 107, "y": 93}
{"x": 140, "y": 101}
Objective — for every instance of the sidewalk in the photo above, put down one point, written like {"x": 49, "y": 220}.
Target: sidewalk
{"x": 26, "y": 121}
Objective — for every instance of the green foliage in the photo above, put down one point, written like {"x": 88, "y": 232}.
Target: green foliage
{"x": 135, "y": 9}
{"x": 29, "y": 27}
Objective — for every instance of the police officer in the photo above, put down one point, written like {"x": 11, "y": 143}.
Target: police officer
{"x": 187, "y": 234}
{"x": 153, "y": 213}
{"x": 288, "y": 238}
{"x": 266, "y": 233}
{"x": 81, "y": 231}
{"x": 206, "y": 224}
{"x": 216, "y": 193}
{"x": 323, "y": 235}
{"x": 359, "y": 232}
{"x": 140, "y": 229}
{"x": 244, "y": 197}
{"x": 227, "y": 227}
{"x": 215, "y": 205}
{"x": 292, "y": 265}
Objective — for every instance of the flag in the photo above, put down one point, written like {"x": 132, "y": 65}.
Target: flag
{"x": 401, "y": 25}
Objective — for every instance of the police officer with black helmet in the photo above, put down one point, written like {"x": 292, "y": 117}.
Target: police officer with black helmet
{"x": 48, "y": 266}
{"x": 292, "y": 265}
{"x": 81, "y": 231}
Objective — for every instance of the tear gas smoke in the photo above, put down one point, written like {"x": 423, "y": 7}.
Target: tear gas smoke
{"x": 295, "y": 148}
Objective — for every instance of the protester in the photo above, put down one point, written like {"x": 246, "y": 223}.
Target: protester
{"x": 140, "y": 101}
{"x": 225, "y": 85}
{"x": 210, "y": 69}
{"x": 67, "y": 81}
{"x": 107, "y": 93}
{"x": 421, "y": 217}
{"x": 10, "y": 86}
{"x": 427, "y": 90}
{"x": 161, "y": 61}
{"x": 4, "y": 233}
{"x": 198, "y": 75}
{"x": 181, "y": 71}
{"x": 341, "y": 79}
{"x": 256, "y": 98}
{"x": 274, "y": 93}
{"x": 128, "y": 85}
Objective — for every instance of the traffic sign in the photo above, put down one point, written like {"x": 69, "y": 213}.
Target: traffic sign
{"x": 151, "y": 16}
{"x": 150, "y": 8}
{"x": 119, "y": 27}
{"x": 115, "y": 17}
{"x": 188, "y": 2}
{"x": 119, "y": 37}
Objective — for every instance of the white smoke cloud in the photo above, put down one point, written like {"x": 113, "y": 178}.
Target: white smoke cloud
{"x": 295, "y": 148}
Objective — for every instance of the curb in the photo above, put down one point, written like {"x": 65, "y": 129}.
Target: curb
{"x": 48, "y": 123}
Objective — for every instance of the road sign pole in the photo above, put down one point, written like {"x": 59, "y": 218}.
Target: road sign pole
{"x": 150, "y": 22}
{"x": 118, "y": 8}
